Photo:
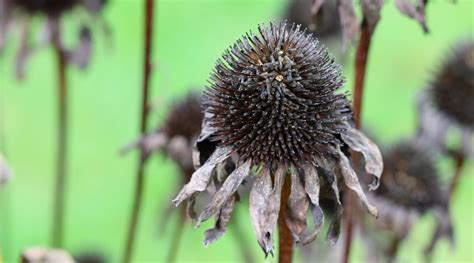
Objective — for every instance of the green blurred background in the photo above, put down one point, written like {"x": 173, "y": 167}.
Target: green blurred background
{"x": 104, "y": 115}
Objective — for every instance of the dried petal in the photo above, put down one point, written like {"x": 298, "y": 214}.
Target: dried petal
{"x": 350, "y": 25}
{"x": 371, "y": 10}
{"x": 190, "y": 207}
{"x": 357, "y": 141}
{"x": 414, "y": 11}
{"x": 5, "y": 171}
{"x": 201, "y": 177}
{"x": 335, "y": 227}
{"x": 148, "y": 142}
{"x": 204, "y": 147}
{"x": 229, "y": 187}
{"x": 311, "y": 181}
{"x": 179, "y": 150}
{"x": 298, "y": 205}
{"x": 351, "y": 181}
{"x": 265, "y": 206}
{"x": 80, "y": 56}
{"x": 213, "y": 234}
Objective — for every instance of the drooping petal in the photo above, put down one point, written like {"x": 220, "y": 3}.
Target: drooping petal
{"x": 190, "y": 207}
{"x": 229, "y": 187}
{"x": 350, "y": 25}
{"x": 265, "y": 206}
{"x": 204, "y": 147}
{"x": 213, "y": 234}
{"x": 298, "y": 205}
{"x": 352, "y": 182}
{"x": 200, "y": 178}
{"x": 358, "y": 142}
{"x": 80, "y": 56}
{"x": 414, "y": 11}
{"x": 311, "y": 187}
{"x": 179, "y": 150}
{"x": 148, "y": 142}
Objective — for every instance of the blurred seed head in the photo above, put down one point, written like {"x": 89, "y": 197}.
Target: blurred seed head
{"x": 410, "y": 178}
{"x": 272, "y": 109}
{"x": 453, "y": 86}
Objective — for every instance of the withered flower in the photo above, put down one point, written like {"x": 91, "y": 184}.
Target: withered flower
{"x": 409, "y": 188}
{"x": 272, "y": 109}
{"x": 15, "y": 16}
{"x": 446, "y": 104}
{"x": 326, "y": 23}
{"x": 5, "y": 171}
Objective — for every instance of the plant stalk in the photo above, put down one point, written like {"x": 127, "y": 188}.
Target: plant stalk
{"x": 460, "y": 159}
{"x": 140, "y": 180}
{"x": 285, "y": 239}
{"x": 360, "y": 71}
{"x": 62, "y": 128}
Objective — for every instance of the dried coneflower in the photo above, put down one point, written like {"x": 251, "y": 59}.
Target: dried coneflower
{"x": 16, "y": 16}
{"x": 409, "y": 188}
{"x": 446, "y": 105}
{"x": 272, "y": 108}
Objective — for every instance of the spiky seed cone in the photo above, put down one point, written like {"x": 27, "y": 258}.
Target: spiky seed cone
{"x": 185, "y": 118}
{"x": 453, "y": 87}
{"x": 273, "y": 97}
{"x": 410, "y": 178}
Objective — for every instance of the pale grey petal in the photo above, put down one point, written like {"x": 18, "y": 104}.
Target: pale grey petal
{"x": 298, "y": 205}
{"x": 5, "y": 171}
{"x": 351, "y": 181}
{"x": 204, "y": 147}
{"x": 311, "y": 187}
{"x": 179, "y": 150}
{"x": 148, "y": 142}
{"x": 414, "y": 11}
{"x": 349, "y": 22}
{"x": 228, "y": 189}
{"x": 200, "y": 178}
{"x": 81, "y": 55}
{"x": 358, "y": 142}
{"x": 213, "y": 234}
{"x": 265, "y": 206}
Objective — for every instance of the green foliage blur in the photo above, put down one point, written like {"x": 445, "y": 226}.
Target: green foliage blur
{"x": 105, "y": 110}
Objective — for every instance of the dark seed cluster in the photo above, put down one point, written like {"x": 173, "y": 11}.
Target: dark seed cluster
{"x": 410, "y": 178}
{"x": 273, "y": 97}
{"x": 453, "y": 88}
{"x": 185, "y": 118}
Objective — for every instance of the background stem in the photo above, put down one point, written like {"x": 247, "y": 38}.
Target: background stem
{"x": 460, "y": 160}
{"x": 360, "y": 71}
{"x": 59, "y": 192}
{"x": 285, "y": 239}
{"x": 139, "y": 184}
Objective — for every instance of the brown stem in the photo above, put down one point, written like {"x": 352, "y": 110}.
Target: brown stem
{"x": 360, "y": 71}
{"x": 460, "y": 160}
{"x": 173, "y": 251}
{"x": 285, "y": 253}
{"x": 61, "y": 176}
{"x": 139, "y": 184}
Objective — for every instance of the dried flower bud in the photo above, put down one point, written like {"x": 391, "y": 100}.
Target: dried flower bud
{"x": 272, "y": 106}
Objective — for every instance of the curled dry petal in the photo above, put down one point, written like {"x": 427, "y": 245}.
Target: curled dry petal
{"x": 213, "y": 234}
{"x": 352, "y": 182}
{"x": 358, "y": 142}
{"x": 200, "y": 178}
{"x": 298, "y": 205}
{"x": 311, "y": 187}
{"x": 229, "y": 187}
{"x": 5, "y": 171}
{"x": 350, "y": 25}
{"x": 414, "y": 11}
{"x": 204, "y": 147}
{"x": 335, "y": 227}
{"x": 265, "y": 206}
{"x": 371, "y": 10}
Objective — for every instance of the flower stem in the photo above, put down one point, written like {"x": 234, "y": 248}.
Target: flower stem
{"x": 460, "y": 159}
{"x": 285, "y": 249}
{"x": 360, "y": 71}
{"x": 61, "y": 160}
{"x": 139, "y": 184}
